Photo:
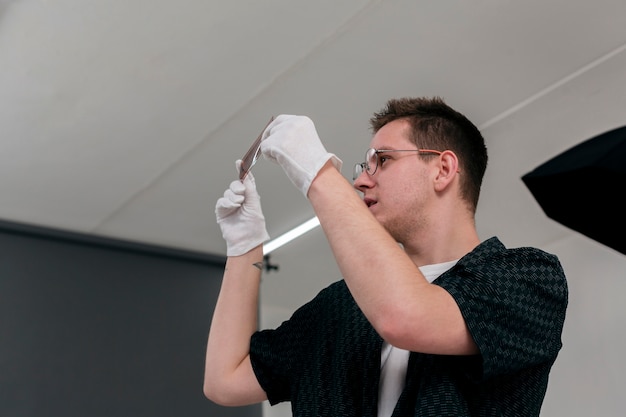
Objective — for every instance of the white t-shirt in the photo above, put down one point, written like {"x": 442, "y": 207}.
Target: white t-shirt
{"x": 394, "y": 361}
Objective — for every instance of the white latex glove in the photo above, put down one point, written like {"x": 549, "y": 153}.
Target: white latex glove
{"x": 240, "y": 217}
{"x": 292, "y": 142}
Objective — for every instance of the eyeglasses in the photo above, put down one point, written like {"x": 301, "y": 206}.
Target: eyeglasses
{"x": 371, "y": 159}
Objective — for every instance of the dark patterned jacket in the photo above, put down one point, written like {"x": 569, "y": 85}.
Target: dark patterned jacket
{"x": 326, "y": 358}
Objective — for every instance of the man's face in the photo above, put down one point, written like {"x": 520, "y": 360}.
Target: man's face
{"x": 399, "y": 193}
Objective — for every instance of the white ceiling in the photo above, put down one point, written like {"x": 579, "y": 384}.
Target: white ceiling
{"x": 124, "y": 118}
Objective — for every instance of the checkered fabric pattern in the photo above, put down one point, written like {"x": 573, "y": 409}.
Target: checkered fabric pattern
{"x": 326, "y": 358}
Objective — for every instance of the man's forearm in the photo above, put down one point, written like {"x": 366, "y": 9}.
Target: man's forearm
{"x": 227, "y": 369}
{"x": 388, "y": 287}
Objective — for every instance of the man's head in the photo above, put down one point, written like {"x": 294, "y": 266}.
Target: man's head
{"x": 435, "y": 125}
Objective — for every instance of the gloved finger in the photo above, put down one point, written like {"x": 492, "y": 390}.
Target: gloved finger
{"x": 237, "y": 187}
{"x": 226, "y": 203}
{"x": 225, "y": 207}
{"x": 233, "y": 197}
{"x": 231, "y": 200}
{"x": 279, "y": 121}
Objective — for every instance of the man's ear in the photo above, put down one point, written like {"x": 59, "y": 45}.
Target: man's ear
{"x": 448, "y": 168}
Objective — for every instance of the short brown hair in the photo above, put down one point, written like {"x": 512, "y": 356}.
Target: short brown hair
{"x": 435, "y": 125}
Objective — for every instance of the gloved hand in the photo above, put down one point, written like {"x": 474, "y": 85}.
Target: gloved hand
{"x": 240, "y": 217}
{"x": 293, "y": 143}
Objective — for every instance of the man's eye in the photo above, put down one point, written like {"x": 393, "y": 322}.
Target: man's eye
{"x": 382, "y": 159}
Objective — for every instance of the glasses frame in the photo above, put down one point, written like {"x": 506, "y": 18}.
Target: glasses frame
{"x": 362, "y": 167}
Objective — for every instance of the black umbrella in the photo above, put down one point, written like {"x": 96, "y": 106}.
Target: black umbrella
{"x": 584, "y": 188}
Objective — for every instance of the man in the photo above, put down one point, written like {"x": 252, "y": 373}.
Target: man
{"x": 427, "y": 321}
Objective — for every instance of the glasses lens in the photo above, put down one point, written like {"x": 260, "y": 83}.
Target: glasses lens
{"x": 371, "y": 161}
{"x": 358, "y": 170}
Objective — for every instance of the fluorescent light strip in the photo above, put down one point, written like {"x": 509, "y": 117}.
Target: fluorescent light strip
{"x": 290, "y": 235}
